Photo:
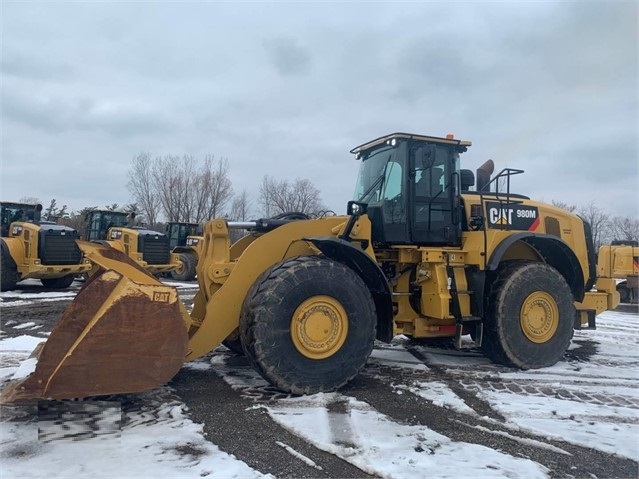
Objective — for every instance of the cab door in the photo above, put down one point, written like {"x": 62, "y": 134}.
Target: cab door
{"x": 435, "y": 199}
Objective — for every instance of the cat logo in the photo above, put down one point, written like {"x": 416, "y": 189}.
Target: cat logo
{"x": 501, "y": 216}
{"x": 516, "y": 217}
{"x": 161, "y": 297}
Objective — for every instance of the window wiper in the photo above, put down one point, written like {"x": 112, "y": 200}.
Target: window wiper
{"x": 371, "y": 188}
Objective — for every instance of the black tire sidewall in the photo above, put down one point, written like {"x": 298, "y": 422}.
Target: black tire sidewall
{"x": 188, "y": 270}
{"x": 275, "y": 304}
{"x": 58, "y": 283}
{"x": 234, "y": 343}
{"x": 8, "y": 274}
{"x": 505, "y": 311}
{"x": 624, "y": 293}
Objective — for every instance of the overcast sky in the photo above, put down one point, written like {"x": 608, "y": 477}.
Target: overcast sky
{"x": 287, "y": 89}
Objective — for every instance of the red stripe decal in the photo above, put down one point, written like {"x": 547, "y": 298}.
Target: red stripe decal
{"x": 535, "y": 225}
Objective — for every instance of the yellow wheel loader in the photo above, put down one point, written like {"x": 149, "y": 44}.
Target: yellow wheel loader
{"x": 620, "y": 259}
{"x": 184, "y": 241}
{"x": 149, "y": 249}
{"x": 418, "y": 254}
{"x": 32, "y": 248}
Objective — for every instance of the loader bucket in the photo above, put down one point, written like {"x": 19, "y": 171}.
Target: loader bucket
{"x": 124, "y": 332}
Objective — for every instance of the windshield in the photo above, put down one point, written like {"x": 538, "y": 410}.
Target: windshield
{"x": 370, "y": 180}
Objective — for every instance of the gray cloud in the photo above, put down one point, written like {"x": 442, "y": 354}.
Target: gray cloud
{"x": 288, "y": 89}
{"x": 287, "y": 56}
{"x": 54, "y": 115}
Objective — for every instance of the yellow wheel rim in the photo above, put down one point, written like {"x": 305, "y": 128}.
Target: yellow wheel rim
{"x": 539, "y": 317}
{"x": 319, "y": 327}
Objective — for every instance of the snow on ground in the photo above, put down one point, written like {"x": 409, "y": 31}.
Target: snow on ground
{"x": 102, "y": 439}
{"x": 361, "y": 436}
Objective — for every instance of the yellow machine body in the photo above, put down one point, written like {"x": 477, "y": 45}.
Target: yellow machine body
{"x": 23, "y": 245}
{"x": 32, "y": 248}
{"x": 620, "y": 260}
{"x": 126, "y": 240}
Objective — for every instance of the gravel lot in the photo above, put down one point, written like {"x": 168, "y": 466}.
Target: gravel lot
{"x": 235, "y": 417}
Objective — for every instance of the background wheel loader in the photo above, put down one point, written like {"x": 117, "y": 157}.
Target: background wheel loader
{"x": 184, "y": 241}
{"x": 620, "y": 260}
{"x": 147, "y": 248}
{"x": 31, "y": 248}
{"x": 419, "y": 254}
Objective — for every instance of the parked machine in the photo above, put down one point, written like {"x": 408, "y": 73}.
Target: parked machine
{"x": 418, "y": 254}
{"x": 147, "y": 248}
{"x": 621, "y": 260}
{"x": 32, "y": 248}
{"x": 184, "y": 241}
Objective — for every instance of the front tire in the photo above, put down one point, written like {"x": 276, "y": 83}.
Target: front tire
{"x": 308, "y": 325}
{"x": 530, "y": 316}
{"x": 187, "y": 271}
{"x": 8, "y": 272}
{"x": 234, "y": 343}
{"x": 58, "y": 283}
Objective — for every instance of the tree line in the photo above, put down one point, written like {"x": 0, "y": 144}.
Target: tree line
{"x": 605, "y": 228}
{"x": 175, "y": 188}
{"x": 187, "y": 190}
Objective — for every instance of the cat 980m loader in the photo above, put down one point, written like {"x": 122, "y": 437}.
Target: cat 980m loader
{"x": 419, "y": 253}
{"x": 147, "y": 248}
{"x": 621, "y": 259}
{"x": 32, "y": 248}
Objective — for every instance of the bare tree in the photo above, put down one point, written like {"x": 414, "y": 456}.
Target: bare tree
{"x": 182, "y": 188}
{"x": 599, "y": 223}
{"x": 173, "y": 179}
{"x": 564, "y": 206}
{"x": 213, "y": 189}
{"x": 141, "y": 186}
{"x": 240, "y": 207}
{"x": 280, "y": 196}
{"x": 29, "y": 200}
{"x": 624, "y": 228}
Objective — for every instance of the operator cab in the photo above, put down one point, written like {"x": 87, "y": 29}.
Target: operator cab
{"x": 179, "y": 233}
{"x": 411, "y": 184}
{"x": 99, "y": 222}
{"x": 12, "y": 212}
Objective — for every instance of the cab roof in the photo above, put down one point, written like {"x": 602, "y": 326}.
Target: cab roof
{"x": 410, "y": 136}
{"x": 12, "y": 204}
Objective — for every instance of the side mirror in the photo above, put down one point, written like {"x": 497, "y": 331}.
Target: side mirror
{"x": 37, "y": 215}
{"x": 467, "y": 179}
{"x": 425, "y": 156}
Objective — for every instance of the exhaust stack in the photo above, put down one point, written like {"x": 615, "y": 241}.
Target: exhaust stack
{"x": 483, "y": 175}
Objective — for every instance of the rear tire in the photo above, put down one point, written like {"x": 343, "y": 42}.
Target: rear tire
{"x": 58, "y": 283}
{"x": 8, "y": 272}
{"x": 308, "y": 325}
{"x": 187, "y": 271}
{"x": 624, "y": 292}
{"x": 530, "y": 316}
